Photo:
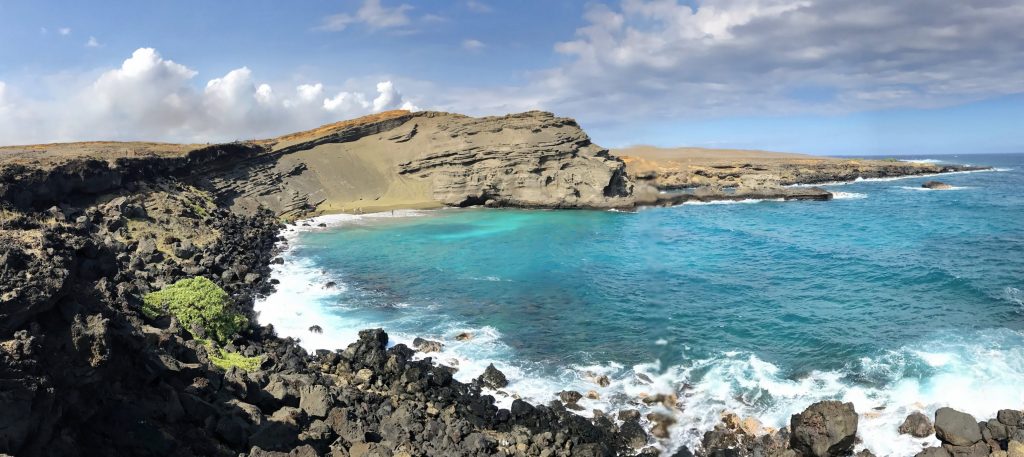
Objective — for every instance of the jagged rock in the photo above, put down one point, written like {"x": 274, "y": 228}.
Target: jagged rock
{"x": 427, "y": 345}
{"x": 493, "y": 378}
{"x": 975, "y": 450}
{"x": 629, "y": 414}
{"x": 826, "y": 428}
{"x": 1015, "y": 448}
{"x": 570, "y": 396}
{"x": 956, "y": 428}
{"x": 315, "y": 400}
{"x": 633, "y": 434}
{"x": 933, "y": 452}
{"x": 89, "y": 337}
{"x": 1010, "y": 417}
{"x": 917, "y": 425}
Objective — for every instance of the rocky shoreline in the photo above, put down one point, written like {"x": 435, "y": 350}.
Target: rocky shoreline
{"x": 85, "y": 370}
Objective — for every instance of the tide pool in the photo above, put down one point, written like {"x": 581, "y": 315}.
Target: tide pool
{"x": 893, "y": 297}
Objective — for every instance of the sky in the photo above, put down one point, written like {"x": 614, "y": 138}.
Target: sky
{"x": 872, "y": 77}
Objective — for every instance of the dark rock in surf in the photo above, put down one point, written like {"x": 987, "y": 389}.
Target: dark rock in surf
{"x": 917, "y": 425}
{"x": 936, "y": 185}
{"x": 493, "y": 378}
{"x": 424, "y": 345}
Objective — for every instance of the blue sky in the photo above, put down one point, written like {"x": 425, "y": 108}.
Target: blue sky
{"x": 817, "y": 76}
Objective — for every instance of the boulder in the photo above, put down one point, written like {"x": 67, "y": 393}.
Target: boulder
{"x": 956, "y": 428}
{"x": 633, "y": 435}
{"x": 978, "y": 449}
{"x": 629, "y": 414}
{"x": 1015, "y": 449}
{"x": 493, "y": 378}
{"x": 917, "y": 425}
{"x": 570, "y": 397}
{"x": 826, "y": 428}
{"x": 933, "y": 452}
{"x": 1010, "y": 417}
{"x": 423, "y": 345}
{"x": 315, "y": 400}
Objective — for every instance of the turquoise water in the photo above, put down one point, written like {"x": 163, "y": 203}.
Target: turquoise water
{"x": 891, "y": 296}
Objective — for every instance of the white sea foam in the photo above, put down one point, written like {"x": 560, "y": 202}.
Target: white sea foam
{"x": 848, "y": 195}
{"x": 951, "y": 188}
{"x": 978, "y": 374}
{"x": 734, "y": 202}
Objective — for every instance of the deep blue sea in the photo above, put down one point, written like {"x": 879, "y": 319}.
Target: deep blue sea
{"x": 891, "y": 296}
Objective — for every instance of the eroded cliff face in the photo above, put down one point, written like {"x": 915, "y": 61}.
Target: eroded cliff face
{"x": 528, "y": 159}
{"x": 390, "y": 160}
{"x": 425, "y": 160}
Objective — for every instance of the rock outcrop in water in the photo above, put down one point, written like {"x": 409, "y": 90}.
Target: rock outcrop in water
{"x": 721, "y": 173}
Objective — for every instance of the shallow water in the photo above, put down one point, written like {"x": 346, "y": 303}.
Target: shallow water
{"x": 892, "y": 297}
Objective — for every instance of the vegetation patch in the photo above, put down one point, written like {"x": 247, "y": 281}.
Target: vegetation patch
{"x": 226, "y": 360}
{"x": 196, "y": 301}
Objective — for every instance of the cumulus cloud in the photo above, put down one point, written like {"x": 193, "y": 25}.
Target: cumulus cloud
{"x": 153, "y": 98}
{"x": 64, "y": 31}
{"x": 373, "y": 14}
{"x": 389, "y": 98}
{"x": 665, "y": 58}
{"x": 92, "y": 42}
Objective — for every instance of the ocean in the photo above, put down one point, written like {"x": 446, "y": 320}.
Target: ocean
{"x": 891, "y": 296}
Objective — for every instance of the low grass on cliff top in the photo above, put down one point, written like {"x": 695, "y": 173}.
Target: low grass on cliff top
{"x": 196, "y": 301}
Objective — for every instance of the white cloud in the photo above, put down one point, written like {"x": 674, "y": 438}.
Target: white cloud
{"x": 346, "y": 102}
{"x": 373, "y": 14}
{"x": 389, "y": 98}
{"x": 92, "y": 43}
{"x": 478, "y": 6}
{"x": 152, "y": 98}
{"x": 310, "y": 92}
{"x": 473, "y": 45}
{"x": 65, "y": 31}
{"x": 663, "y": 58}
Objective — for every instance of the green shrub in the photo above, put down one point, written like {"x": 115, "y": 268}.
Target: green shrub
{"x": 196, "y": 301}
{"x": 225, "y": 360}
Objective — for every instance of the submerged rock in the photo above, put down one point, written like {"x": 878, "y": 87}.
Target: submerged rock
{"x": 936, "y": 185}
{"x": 824, "y": 429}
